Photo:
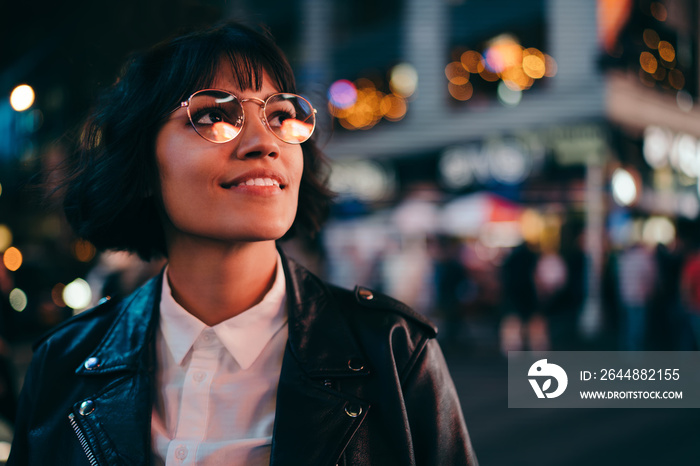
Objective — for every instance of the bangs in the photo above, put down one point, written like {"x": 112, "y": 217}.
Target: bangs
{"x": 243, "y": 54}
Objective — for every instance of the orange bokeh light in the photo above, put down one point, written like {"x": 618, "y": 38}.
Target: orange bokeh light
{"x": 472, "y": 61}
{"x": 666, "y": 51}
{"x": 648, "y": 62}
{"x": 12, "y": 258}
{"x": 456, "y": 73}
{"x": 463, "y": 92}
{"x": 651, "y": 38}
{"x": 658, "y": 11}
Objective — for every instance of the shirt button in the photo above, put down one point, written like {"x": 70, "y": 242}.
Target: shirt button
{"x": 181, "y": 452}
{"x": 199, "y": 376}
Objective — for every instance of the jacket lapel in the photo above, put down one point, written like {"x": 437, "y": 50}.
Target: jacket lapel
{"x": 314, "y": 420}
{"x": 114, "y": 422}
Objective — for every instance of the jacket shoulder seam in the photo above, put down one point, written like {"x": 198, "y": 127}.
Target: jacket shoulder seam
{"x": 370, "y": 299}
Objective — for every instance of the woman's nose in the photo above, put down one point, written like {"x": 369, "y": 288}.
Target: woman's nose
{"x": 256, "y": 139}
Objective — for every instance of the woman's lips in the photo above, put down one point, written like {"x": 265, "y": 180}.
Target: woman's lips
{"x": 260, "y": 179}
{"x": 258, "y": 182}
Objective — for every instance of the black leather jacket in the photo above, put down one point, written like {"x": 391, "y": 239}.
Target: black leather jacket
{"x": 363, "y": 382}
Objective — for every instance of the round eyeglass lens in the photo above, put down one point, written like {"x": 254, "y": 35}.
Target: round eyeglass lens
{"x": 290, "y": 117}
{"x": 216, "y": 115}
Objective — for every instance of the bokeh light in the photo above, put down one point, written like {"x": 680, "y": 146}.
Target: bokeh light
{"x": 504, "y": 60}
{"x": 342, "y": 94}
{"x": 77, "y": 294}
{"x": 658, "y": 230}
{"x": 18, "y": 300}
{"x": 5, "y": 237}
{"x": 648, "y": 62}
{"x": 651, "y": 38}
{"x": 503, "y": 52}
{"x": 461, "y": 92}
{"x": 624, "y": 188}
{"x": 12, "y": 258}
{"x": 456, "y": 73}
{"x": 472, "y": 61}
{"x": 22, "y": 97}
{"x": 658, "y": 11}
{"x": 657, "y": 144}
{"x": 676, "y": 79}
{"x": 684, "y": 155}
{"x": 666, "y": 51}
{"x": 551, "y": 66}
{"x": 507, "y": 95}
{"x": 393, "y": 107}
{"x": 403, "y": 80}
{"x": 684, "y": 101}
{"x": 83, "y": 250}
{"x": 533, "y": 63}
{"x": 660, "y": 73}
{"x": 57, "y": 294}
{"x": 362, "y": 105}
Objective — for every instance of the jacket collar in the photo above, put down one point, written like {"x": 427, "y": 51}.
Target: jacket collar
{"x": 126, "y": 344}
{"x": 319, "y": 337}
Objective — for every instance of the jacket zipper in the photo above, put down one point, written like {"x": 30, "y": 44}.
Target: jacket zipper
{"x": 83, "y": 441}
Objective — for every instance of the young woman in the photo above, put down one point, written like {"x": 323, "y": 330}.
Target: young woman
{"x": 202, "y": 153}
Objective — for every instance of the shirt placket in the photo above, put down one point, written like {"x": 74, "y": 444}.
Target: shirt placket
{"x": 194, "y": 405}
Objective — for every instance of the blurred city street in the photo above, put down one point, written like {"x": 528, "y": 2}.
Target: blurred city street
{"x": 572, "y": 437}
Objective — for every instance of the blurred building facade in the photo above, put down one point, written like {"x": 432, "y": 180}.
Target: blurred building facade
{"x": 451, "y": 115}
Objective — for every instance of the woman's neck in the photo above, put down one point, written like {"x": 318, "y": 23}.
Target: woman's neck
{"x": 216, "y": 282}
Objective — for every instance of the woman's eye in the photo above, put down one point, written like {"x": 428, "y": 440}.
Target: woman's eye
{"x": 208, "y": 117}
{"x": 278, "y": 117}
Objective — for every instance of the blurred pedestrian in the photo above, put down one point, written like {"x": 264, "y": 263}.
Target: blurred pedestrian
{"x": 636, "y": 276}
{"x": 522, "y": 324}
{"x": 234, "y": 354}
{"x": 452, "y": 284}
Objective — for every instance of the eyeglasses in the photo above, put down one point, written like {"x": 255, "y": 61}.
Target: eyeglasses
{"x": 218, "y": 115}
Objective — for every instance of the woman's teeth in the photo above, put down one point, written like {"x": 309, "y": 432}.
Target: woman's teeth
{"x": 259, "y": 182}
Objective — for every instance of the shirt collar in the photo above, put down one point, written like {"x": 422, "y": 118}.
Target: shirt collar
{"x": 244, "y": 335}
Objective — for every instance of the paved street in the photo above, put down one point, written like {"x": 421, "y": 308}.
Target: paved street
{"x": 569, "y": 437}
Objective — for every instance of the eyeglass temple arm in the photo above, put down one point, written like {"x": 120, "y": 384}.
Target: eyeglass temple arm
{"x": 182, "y": 104}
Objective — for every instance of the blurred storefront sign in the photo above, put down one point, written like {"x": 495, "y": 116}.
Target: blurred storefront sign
{"x": 505, "y": 161}
{"x": 365, "y": 180}
{"x": 510, "y": 160}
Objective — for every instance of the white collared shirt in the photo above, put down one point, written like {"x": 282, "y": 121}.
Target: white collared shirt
{"x": 217, "y": 386}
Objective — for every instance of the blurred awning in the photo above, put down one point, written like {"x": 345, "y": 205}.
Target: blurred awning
{"x": 465, "y": 215}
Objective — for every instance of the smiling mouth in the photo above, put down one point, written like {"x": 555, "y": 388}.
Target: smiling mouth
{"x": 254, "y": 182}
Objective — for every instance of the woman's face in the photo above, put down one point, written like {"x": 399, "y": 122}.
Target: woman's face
{"x": 240, "y": 191}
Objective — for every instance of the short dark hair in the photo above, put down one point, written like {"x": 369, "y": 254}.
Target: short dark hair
{"x": 108, "y": 195}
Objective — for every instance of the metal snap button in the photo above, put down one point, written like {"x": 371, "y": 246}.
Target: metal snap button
{"x": 365, "y": 294}
{"x": 355, "y": 365}
{"x": 86, "y": 407}
{"x": 353, "y": 409}
{"x": 181, "y": 452}
{"x": 92, "y": 363}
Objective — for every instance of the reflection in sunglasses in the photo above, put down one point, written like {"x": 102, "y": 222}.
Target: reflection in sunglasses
{"x": 223, "y": 131}
{"x": 295, "y": 130}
